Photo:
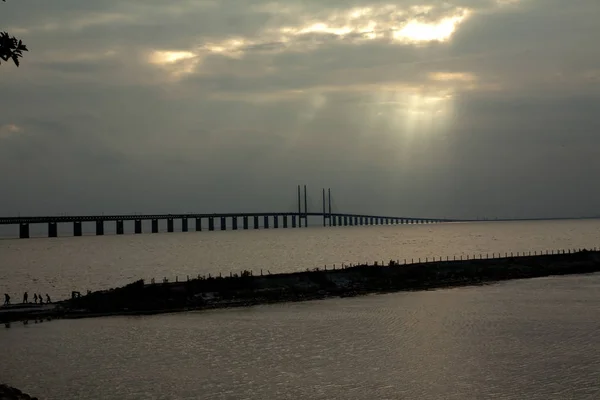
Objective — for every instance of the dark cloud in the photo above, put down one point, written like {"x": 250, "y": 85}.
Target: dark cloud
{"x": 500, "y": 119}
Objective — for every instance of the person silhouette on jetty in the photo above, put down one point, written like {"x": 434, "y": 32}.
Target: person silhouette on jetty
{"x": 41, "y": 298}
{"x": 25, "y": 298}
{"x": 35, "y": 298}
{"x": 48, "y": 299}
{"x": 6, "y": 299}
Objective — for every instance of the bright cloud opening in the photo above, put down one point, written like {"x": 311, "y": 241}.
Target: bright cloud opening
{"x": 9, "y": 130}
{"x": 177, "y": 63}
{"x": 390, "y": 23}
{"x": 441, "y": 31}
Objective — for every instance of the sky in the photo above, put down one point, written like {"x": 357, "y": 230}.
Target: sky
{"x": 455, "y": 109}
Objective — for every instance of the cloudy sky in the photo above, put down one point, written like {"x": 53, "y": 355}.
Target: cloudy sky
{"x": 463, "y": 108}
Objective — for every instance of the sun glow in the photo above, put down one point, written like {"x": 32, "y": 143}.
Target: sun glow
{"x": 177, "y": 63}
{"x": 389, "y": 23}
{"x": 169, "y": 57}
{"x": 416, "y": 31}
{"x": 396, "y": 25}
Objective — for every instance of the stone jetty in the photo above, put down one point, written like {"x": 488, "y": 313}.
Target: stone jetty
{"x": 247, "y": 289}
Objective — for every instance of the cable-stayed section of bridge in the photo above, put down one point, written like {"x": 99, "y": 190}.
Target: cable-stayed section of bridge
{"x": 296, "y": 215}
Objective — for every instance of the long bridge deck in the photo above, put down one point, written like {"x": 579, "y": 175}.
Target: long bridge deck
{"x": 269, "y": 219}
{"x": 137, "y": 217}
{"x": 333, "y": 219}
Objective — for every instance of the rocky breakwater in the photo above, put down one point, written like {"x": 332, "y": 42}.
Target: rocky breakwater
{"x": 246, "y": 289}
{"x": 10, "y": 393}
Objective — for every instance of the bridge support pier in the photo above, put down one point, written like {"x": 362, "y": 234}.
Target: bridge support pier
{"x": 275, "y": 222}
{"x": 256, "y": 222}
{"x": 293, "y": 221}
{"x": 170, "y": 227}
{"x": 211, "y": 223}
{"x": 99, "y": 228}
{"x": 266, "y": 222}
{"x": 24, "y": 230}
{"x": 223, "y": 223}
{"x": 52, "y": 230}
{"x": 77, "y": 231}
{"x": 120, "y": 227}
{"x": 245, "y": 222}
{"x": 154, "y": 226}
{"x": 234, "y": 223}
{"x": 198, "y": 224}
{"x": 345, "y": 220}
{"x": 138, "y": 226}
{"x": 285, "y": 222}
{"x": 332, "y": 220}
{"x": 184, "y": 224}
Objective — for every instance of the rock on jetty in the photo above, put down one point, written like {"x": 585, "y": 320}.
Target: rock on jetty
{"x": 247, "y": 289}
{"x": 10, "y": 393}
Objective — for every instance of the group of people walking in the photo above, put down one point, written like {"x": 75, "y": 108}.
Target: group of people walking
{"x": 37, "y": 298}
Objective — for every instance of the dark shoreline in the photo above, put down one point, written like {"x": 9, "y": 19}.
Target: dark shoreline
{"x": 139, "y": 298}
{"x": 11, "y": 393}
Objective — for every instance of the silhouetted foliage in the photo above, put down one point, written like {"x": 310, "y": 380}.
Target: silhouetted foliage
{"x": 11, "y": 48}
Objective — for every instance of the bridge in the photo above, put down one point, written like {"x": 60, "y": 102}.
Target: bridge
{"x": 293, "y": 219}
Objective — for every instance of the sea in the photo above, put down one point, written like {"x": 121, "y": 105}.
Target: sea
{"x": 525, "y": 339}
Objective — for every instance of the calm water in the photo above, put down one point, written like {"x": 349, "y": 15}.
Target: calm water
{"x": 533, "y": 339}
{"x": 58, "y": 266}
